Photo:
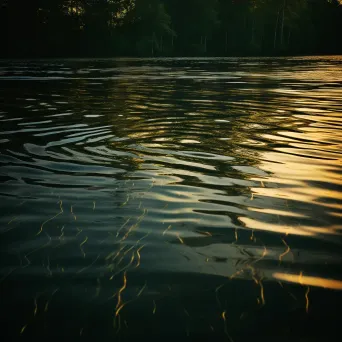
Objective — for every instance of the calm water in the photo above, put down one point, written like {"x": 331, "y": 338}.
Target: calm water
{"x": 175, "y": 198}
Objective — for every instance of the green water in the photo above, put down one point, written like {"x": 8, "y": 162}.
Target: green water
{"x": 181, "y": 198}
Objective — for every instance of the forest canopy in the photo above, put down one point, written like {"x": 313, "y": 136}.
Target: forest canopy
{"x": 94, "y": 28}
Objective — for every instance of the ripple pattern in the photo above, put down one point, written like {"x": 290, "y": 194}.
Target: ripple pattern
{"x": 144, "y": 178}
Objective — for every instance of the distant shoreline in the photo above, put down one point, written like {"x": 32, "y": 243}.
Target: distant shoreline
{"x": 17, "y": 58}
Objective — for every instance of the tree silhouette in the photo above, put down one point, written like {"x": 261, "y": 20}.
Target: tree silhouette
{"x": 39, "y": 28}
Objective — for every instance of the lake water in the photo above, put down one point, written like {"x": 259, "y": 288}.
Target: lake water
{"x": 179, "y": 198}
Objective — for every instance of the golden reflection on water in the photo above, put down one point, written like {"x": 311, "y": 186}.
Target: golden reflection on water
{"x": 302, "y": 230}
{"x": 191, "y": 172}
{"x": 309, "y": 280}
{"x": 305, "y": 168}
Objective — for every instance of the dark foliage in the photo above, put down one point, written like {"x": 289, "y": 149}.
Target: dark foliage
{"x": 40, "y": 28}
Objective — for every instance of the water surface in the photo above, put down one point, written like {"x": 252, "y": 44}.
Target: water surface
{"x": 171, "y": 197}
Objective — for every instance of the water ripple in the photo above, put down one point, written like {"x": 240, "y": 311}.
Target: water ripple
{"x": 228, "y": 168}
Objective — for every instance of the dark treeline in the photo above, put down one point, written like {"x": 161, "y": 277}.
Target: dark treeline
{"x": 52, "y": 28}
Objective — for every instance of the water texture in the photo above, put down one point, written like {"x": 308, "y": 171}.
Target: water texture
{"x": 171, "y": 197}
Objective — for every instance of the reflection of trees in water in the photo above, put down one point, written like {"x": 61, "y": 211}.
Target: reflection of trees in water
{"x": 168, "y": 131}
{"x": 168, "y": 123}
{"x": 254, "y": 119}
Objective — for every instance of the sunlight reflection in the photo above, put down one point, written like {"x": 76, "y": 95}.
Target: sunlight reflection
{"x": 303, "y": 230}
{"x": 308, "y": 280}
